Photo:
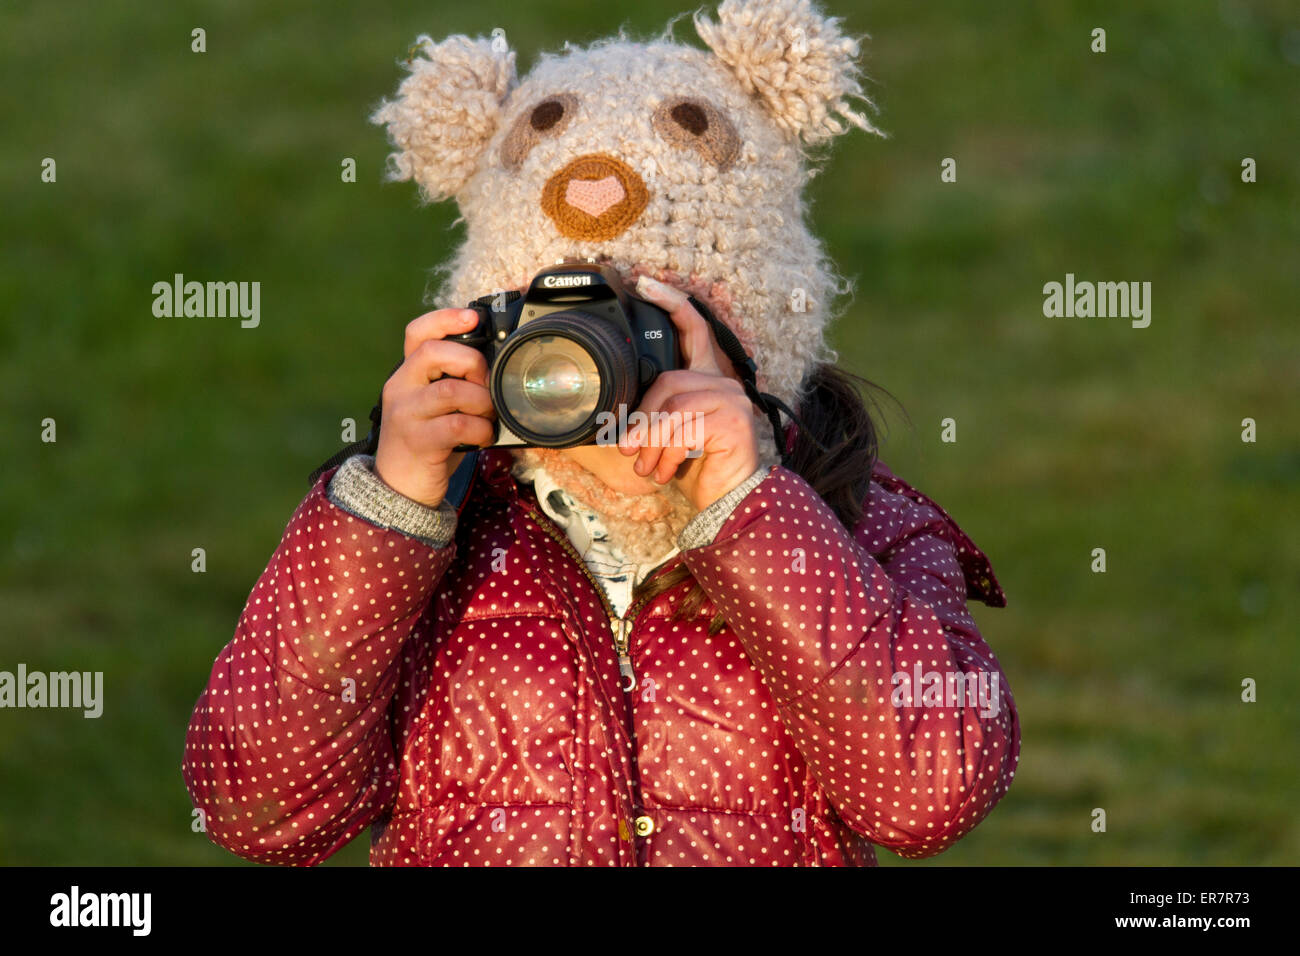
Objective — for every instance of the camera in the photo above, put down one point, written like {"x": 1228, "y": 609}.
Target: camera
{"x": 574, "y": 350}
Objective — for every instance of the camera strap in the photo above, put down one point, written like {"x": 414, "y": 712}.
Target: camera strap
{"x": 748, "y": 372}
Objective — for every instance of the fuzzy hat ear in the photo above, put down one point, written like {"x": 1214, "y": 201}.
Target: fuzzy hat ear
{"x": 793, "y": 58}
{"x": 446, "y": 111}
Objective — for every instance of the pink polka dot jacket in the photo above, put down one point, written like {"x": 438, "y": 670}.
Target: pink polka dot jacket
{"x": 466, "y": 702}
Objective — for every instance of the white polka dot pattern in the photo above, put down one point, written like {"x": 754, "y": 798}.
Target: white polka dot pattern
{"x": 467, "y": 702}
{"x": 828, "y": 639}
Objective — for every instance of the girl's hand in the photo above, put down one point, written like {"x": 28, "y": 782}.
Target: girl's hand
{"x": 713, "y": 420}
{"x": 436, "y": 400}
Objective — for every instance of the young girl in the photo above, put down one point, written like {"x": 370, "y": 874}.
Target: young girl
{"x": 745, "y": 649}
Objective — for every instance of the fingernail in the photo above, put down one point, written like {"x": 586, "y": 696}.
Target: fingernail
{"x": 660, "y": 291}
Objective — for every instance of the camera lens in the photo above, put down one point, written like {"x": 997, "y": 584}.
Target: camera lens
{"x": 550, "y": 384}
{"x": 556, "y": 374}
{"x": 559, "y": 384}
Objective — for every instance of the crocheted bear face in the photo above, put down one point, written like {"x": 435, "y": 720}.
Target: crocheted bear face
{"x": 656, "y": 157}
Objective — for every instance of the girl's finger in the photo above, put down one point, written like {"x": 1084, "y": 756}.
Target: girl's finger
{"x": 677, "y": 451}
{"x": 434, "y": 359}
{"x": 437, "y": 325}
{"x": 669, "y": 462}
{"x": 656, "y": 431}
{"x": 448, "y": 431}
{"x": 647, "y": 457}
{"x": 448, "y": 395}
{"x": 682, "y": 417}
{"x": 673, "y": 383}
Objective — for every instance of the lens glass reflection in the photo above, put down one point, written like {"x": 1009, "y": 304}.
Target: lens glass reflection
{"x": 550, "y": 384}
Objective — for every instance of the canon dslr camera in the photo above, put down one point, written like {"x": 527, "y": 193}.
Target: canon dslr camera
{"x": 573, "y": 351}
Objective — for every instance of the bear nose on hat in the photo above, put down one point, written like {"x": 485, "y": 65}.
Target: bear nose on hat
{"x": 596, "y": 196}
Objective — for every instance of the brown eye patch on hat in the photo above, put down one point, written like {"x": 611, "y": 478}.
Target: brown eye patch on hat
{"x": 546, "y": 117}
{"x": 689, "y": 122}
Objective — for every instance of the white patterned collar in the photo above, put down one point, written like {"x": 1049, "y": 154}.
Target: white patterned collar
{"x": 591, "y": 539}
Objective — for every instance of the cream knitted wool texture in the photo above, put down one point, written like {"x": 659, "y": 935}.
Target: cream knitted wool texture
{"x": 688, "y": 164}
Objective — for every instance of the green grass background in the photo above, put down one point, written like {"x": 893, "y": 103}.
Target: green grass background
{"x": 1072, "y": 433}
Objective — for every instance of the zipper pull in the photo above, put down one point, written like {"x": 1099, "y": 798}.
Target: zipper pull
{"x": 620, "y": 628}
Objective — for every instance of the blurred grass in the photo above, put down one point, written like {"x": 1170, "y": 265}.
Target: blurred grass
{"x": 1072, "y": 433}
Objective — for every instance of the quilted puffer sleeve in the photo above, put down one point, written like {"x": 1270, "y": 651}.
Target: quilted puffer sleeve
{"x": 896, "y": 703}
{"x": 289, "y": 753}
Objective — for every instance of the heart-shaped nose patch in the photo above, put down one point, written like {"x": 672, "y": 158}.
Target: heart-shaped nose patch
{"x": 594, "y": 197}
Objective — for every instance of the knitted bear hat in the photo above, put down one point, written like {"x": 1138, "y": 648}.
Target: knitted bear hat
{"x": 656, "y": 157}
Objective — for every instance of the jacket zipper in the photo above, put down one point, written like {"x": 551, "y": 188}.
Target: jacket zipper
{"x": 621, "y": 627}
{"x": 622, "y": 630}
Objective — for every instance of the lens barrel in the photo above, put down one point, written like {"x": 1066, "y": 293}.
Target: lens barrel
{"x": 553, "y": 378}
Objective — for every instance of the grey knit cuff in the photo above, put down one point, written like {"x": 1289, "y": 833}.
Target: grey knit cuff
{"x": 359, "y": 491}
{"x": 704, "y": 527}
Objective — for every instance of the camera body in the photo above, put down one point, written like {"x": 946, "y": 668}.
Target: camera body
{"x": 572, "y": 351}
